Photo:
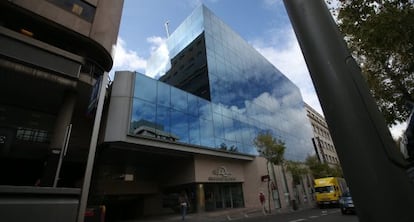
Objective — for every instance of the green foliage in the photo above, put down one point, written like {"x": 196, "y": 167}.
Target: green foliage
{"x": 270, "y": 148}
{"x": 320, "y": 170}
{"x": 380, "y": 35}
{"x": 337, "y": 171}
{"x": 297, "y": 169}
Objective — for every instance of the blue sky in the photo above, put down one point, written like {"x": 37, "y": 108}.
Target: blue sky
{"x": 262, "y": 23}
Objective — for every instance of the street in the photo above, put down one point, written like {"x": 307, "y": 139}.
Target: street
{"x": 314, "y": 215}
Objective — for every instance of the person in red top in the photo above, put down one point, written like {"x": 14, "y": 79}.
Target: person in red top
{"x": 262, "y": 199}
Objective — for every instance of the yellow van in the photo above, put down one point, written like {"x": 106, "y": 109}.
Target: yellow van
{"x": 328, "y": 190}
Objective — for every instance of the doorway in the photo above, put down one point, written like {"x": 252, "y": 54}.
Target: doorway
{"x": 222, "y": 196}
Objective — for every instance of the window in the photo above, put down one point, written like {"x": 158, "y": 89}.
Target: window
{"x": 145, "y": 88}
{"x": 33, "y": 135}
{"x": 327, "y": 189}
{"x": 78, "y": 7}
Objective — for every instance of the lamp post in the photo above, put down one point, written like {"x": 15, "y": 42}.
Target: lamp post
{"x": 372, "y": 166}
{"x": 92, "y": 149}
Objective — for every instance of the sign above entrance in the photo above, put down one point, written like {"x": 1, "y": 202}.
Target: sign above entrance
{"x": 221, "y": 174}
{"x": 221, "y": 171}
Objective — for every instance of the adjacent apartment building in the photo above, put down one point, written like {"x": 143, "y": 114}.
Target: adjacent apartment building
{"x": 322, "y": 141}
{"x": 191, "y": 128}
{"x": 52, "y": 54}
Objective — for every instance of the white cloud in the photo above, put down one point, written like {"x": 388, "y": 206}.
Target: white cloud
{"x": 289, "y": 60}
{"x": 156, "y": 42}
{"x": 127, "y": 59}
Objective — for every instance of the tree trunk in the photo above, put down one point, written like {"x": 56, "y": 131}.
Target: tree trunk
{"x": 286, "y": 183}
{"x": 276, "y": 187}
{"x": 268, "y": 187}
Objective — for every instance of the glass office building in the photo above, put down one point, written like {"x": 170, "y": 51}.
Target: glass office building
{"x": 215, "y": 91}
{"x": 191, "y": 128}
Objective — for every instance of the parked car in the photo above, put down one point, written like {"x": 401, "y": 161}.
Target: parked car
{"x": 346, "y": 203}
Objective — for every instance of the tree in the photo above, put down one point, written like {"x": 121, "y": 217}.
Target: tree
{"x": 319, "y": 170}
{"x": 297, "y": 170}
{"x": 337, "y": 171}
{"x": 272, "y": 150}
{"x": 380, "y": 35}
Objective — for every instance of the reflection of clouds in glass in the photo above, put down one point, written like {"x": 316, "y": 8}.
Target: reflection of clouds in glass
{"x": 248, "y": 94}
{"x": 287, "y": 116}
{"x": 205, "y": 109}
{"x": 179, "y": 125}
{"x": 179, "y": 99}
{"x": 271, "y": 104}
{"x": 143, "y": 111}
{"x": 207, "y": 133}
{"x": 300, "y": 142}
{"x": 145, "y": 88}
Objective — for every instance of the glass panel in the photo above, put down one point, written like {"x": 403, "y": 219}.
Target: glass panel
{"x": 218, "y": 125}
{"x": 247, "y": 133}
{"x": 192, "y": 105}
{"x": 238, "y": 131}
{"x": 145, "y": 88}
{"x": 221, "y": 143}
{"x": 179, "y": 126}
{"x": 216, "y": 108}
{"x": 229, "y": 131}
{"x": 240, "y": 148}
{"x": 179, "y": 100}
{"x": 226, "y": 112}
{"x": 226, "y": 192}
{"x": 205, "y": 109}
{"x": 218, "y": 196}
{"x": 194, "y": 130}
{"x": 206, "y": 133}
{"x": 237, "y": 196}
{"x": 163, "y": 123}
{"x": 143, "y": 118}
{"x": 163, "y": 96}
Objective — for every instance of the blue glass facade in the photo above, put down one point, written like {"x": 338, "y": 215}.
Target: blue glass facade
{"x": 217, "y": 91}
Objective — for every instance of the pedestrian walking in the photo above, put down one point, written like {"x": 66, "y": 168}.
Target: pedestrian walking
{"x": 262, "y": 199}
{"x": 184, "y": 204}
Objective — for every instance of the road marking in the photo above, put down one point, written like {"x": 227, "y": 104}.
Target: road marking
{"x": 312, "y": 217}
{"x": 297, "y": 220}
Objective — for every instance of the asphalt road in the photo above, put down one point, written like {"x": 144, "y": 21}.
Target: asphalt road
{"x": 314, "y": 215}
{"x": 305, "y": 215}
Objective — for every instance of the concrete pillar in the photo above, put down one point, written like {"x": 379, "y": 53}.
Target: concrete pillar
{"x": 201, "y": 200}
{"x": 63, "y": 119}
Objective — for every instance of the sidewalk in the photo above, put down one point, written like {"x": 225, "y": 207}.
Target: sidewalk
{"x": 223, "y": 215}
{"x": 217, "y": 216}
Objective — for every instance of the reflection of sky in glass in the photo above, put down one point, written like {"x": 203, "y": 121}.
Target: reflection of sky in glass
{"x": 248, "y": 95}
